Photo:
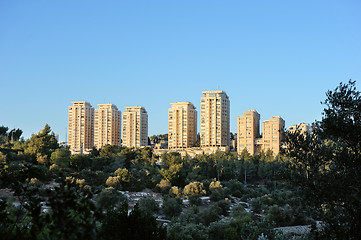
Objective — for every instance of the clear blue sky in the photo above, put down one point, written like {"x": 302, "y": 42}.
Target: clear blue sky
{"x": 278, "y": 57}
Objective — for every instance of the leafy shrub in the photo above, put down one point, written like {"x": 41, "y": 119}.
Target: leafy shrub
{"x": 172, "y": 207}
{"x": 148, "y": 206}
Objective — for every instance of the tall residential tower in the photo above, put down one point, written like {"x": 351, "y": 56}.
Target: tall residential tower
{"x": 80, "y": 127}
{"x": 248, "y": 131}
{"x": 135, "y": 127}
{"x": 272, "y": 134}
{"x": 107, "y": 127}
{"x": 182, "y": 125}
{"x": 215, "y": 123}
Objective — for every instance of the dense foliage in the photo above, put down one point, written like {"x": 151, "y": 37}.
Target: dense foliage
{"x": 327, "y": 163}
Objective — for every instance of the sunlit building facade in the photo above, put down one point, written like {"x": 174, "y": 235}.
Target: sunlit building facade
{"x": 182, "y": 125}
{"x": 249, "y": 138}
{"x": 80, "y": 127}
{"x": 272, "y": 134}
{"x": 215, "y": 119}
{"x": 248, "y": 131}
{"x": 135, "y": 127}
{"x": 107, "y": 125}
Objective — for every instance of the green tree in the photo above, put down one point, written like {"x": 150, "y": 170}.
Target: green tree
{"x": 43, "y": 143}
{"x": 117, "y": 224}
{"x": 124, "y": 175}
{"x": 173, "y": 168}
{"x": 79, "y": 161}
{"x": 61, "y": 157}
{"x": 110, "y": 151}
{"x": 194, "y": 189}
{"x": 172, "y": 207}
{"x": 148, "y": 205}
{"x": 109, "y": 198}
{"x": 113, "y": 182}
{"x": 327, "y": 164}
{"x": 72, "y": 216}
{"x": 15, "y": 134}
{"x": 3, "y": 130}
{"x": 245, "y": 155}
{"x": 3, "y": 134}
{"x": 222, "y": 230}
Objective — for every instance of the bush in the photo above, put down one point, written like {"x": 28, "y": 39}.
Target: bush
{"x": 194, "y": 189}
{"x": 113, "y": 182}
{"x": 282, "y": 216}
{"x": 222, "y": 230}
{"x": 172, "y": 207}
{"x": 137, "y": 225}
{"x": 216, "y": 196}
{"x": 216, "y": 189}
{"x": 211, "y": 214}
{"x": 174, "y": 192}
{"x": 163, "y": 186}
{"x": 179, "y": 231}
{"x": 224, "y": 206}
{"x": 109, "y": 198}
{"x": 124, "y": 174}
{"x": 235, "y": 188}
{"x": 148, "y": 206}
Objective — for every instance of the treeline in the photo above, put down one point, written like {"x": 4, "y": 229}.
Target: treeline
{"x": 100, "y": 175}
{"x": 316, "y": 177}
{"x": 136, "y": 169}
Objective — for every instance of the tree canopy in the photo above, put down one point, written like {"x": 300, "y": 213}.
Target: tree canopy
{"x": 327, "y": 163}
{"x": 42, "y": 143}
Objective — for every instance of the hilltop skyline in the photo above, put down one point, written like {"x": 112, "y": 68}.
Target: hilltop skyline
{"x": 277, "y": 58}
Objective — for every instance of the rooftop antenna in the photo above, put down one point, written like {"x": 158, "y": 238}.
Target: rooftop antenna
{"x": 218, "y": 87}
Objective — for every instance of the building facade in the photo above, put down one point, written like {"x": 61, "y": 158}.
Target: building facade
{"x": 135, "y": 127}
{"x": 80, "y": 127}
{"x": 182, "y": 125}
{"x": 248, "y": 131}
{"x": 249, "y": 137}
{"x": 215, "y": 119}
{"x": 272, "y": 134}
{"x": 107, "y": 125}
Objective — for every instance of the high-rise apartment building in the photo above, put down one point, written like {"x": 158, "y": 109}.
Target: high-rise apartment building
{"x": 215, "y": 114}
{"x": 182, "y": 125}
{"x": 107, "y": 125}
{"x": 248, "y": 131}
{"x": 80, "y": 127}
{"x": 272, "y": 134}
{"x": 248, "y": 135}
{"x": 135, "y": 127}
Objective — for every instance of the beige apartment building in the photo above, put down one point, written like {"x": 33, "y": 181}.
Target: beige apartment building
{"x": 272, "y": 134}
{"x": 248, "y": 131}
{"x": 215, "y": 119}
{"x": 135, "y": 127}
{"x": 107, "y": 125}
{"x": 80, "y": 127}
{"x": 182, "y": 125}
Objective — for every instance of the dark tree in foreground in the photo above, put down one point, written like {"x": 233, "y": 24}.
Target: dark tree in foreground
{"x": 71, "y": 213}
{"x": 118, "y": 224}
{"x": 327, "y": 163}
